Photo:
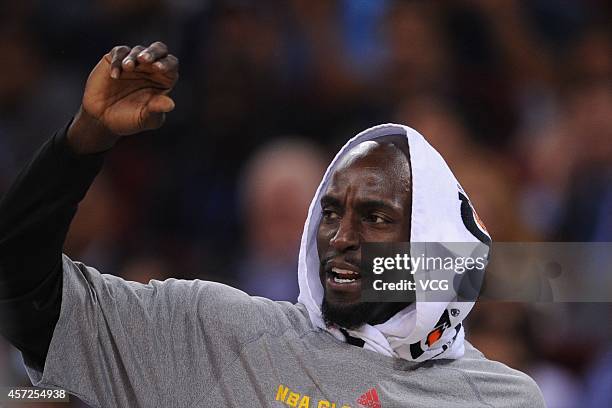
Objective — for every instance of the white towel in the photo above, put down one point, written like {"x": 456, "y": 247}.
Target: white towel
{"x": 423, "y": 330}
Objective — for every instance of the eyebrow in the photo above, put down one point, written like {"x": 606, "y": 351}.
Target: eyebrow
{"x": 372, "y": 203}
{"x": 328, "y": 200}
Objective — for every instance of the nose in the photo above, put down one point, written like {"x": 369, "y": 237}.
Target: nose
{"x": 346, "y": 237}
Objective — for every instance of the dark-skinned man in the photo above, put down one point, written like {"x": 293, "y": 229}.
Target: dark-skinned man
{"x": 115, "y": 343}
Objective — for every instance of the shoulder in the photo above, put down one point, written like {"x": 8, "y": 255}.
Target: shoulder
{"x": 495, "y": 383}
{"x": 230, "y": 311}
{"x": 252, "y": 316}
{"x": 197, "y": 301}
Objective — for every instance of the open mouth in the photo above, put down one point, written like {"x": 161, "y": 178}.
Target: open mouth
{"x": 344, "y": 276}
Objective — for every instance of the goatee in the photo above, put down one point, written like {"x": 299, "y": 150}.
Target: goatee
{"x": 347, "y": 316}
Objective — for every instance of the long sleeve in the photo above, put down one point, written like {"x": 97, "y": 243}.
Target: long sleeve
{"x": 35, "y": 214}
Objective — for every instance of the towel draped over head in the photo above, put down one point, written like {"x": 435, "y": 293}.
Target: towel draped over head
{"x": 423, "y": 330}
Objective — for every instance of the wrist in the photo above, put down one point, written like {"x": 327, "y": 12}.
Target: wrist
{"x": 87, "y": 135}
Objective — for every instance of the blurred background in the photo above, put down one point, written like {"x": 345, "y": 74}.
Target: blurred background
{"x": 516, "y": 95}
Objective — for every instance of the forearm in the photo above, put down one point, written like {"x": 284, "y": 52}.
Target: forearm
{"x": 35, "y": 214}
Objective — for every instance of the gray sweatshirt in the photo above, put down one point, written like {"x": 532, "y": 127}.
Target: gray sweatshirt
{"x": 202, "y": 344}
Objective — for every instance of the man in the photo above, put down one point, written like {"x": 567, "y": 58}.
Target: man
{"x": 290, "y": 168}
{"x": 193, "y": 343}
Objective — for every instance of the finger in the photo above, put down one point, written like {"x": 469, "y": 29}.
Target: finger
{"x": 151, "y": 120}
{"x": 129, "y": 63}
{"x": 117, "y": 54}
{"x": 160, "y": 104}
{"x": 154, "y": 52}
{"x": 167, "y": 64}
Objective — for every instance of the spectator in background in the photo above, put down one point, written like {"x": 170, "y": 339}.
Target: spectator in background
{"x": 276, "y": 187}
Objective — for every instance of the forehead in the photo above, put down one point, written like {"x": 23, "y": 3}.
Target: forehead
{"x": 364, "y": 178}
{"x": 372, "y": 168}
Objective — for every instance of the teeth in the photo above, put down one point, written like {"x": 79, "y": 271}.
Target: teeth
{"x": 340, "y": 280}
{"x": 344, "y": 271}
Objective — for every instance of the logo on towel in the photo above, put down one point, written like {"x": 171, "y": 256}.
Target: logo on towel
{"x": 471, "y": 220}
{"x": 436, "y": 333}
{"x": 434, "y": 336}
{"x": 417, "y": 349}
{"x": 370, "y": 399}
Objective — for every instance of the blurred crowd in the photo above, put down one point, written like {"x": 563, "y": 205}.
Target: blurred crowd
{"x": 516, "y": 95}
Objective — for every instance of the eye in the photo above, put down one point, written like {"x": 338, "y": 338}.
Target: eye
{"x": 376, "y": 219}
{"x": 329, "y": 215}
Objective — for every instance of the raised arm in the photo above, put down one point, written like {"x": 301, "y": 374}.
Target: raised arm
{"x": 126, "y": 93}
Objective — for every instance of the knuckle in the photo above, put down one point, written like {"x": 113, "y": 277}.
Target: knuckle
{"x": 134, "y": 52}
{"x": 119, "y": 50}
{"x": 159, "y": 44}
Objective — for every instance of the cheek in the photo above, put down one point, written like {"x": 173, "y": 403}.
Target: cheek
{"x": 394, "y": 233}
{"x": 325, "y": 234}
{"x": 322, "y": 240}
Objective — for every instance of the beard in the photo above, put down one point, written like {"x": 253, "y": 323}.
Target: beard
{"x": 352, "y": 316}
{"x": 347, "y": 316}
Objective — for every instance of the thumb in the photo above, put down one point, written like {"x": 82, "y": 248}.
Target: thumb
{"x": 160, "y": 104}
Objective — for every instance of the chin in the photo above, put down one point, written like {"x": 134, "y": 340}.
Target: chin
{"x": 349, "y": 315}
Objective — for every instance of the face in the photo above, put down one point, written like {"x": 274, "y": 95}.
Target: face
{"x": 368, "y": 200}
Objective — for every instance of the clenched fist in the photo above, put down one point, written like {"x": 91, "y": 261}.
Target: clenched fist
{"x": 126, "y": 93}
